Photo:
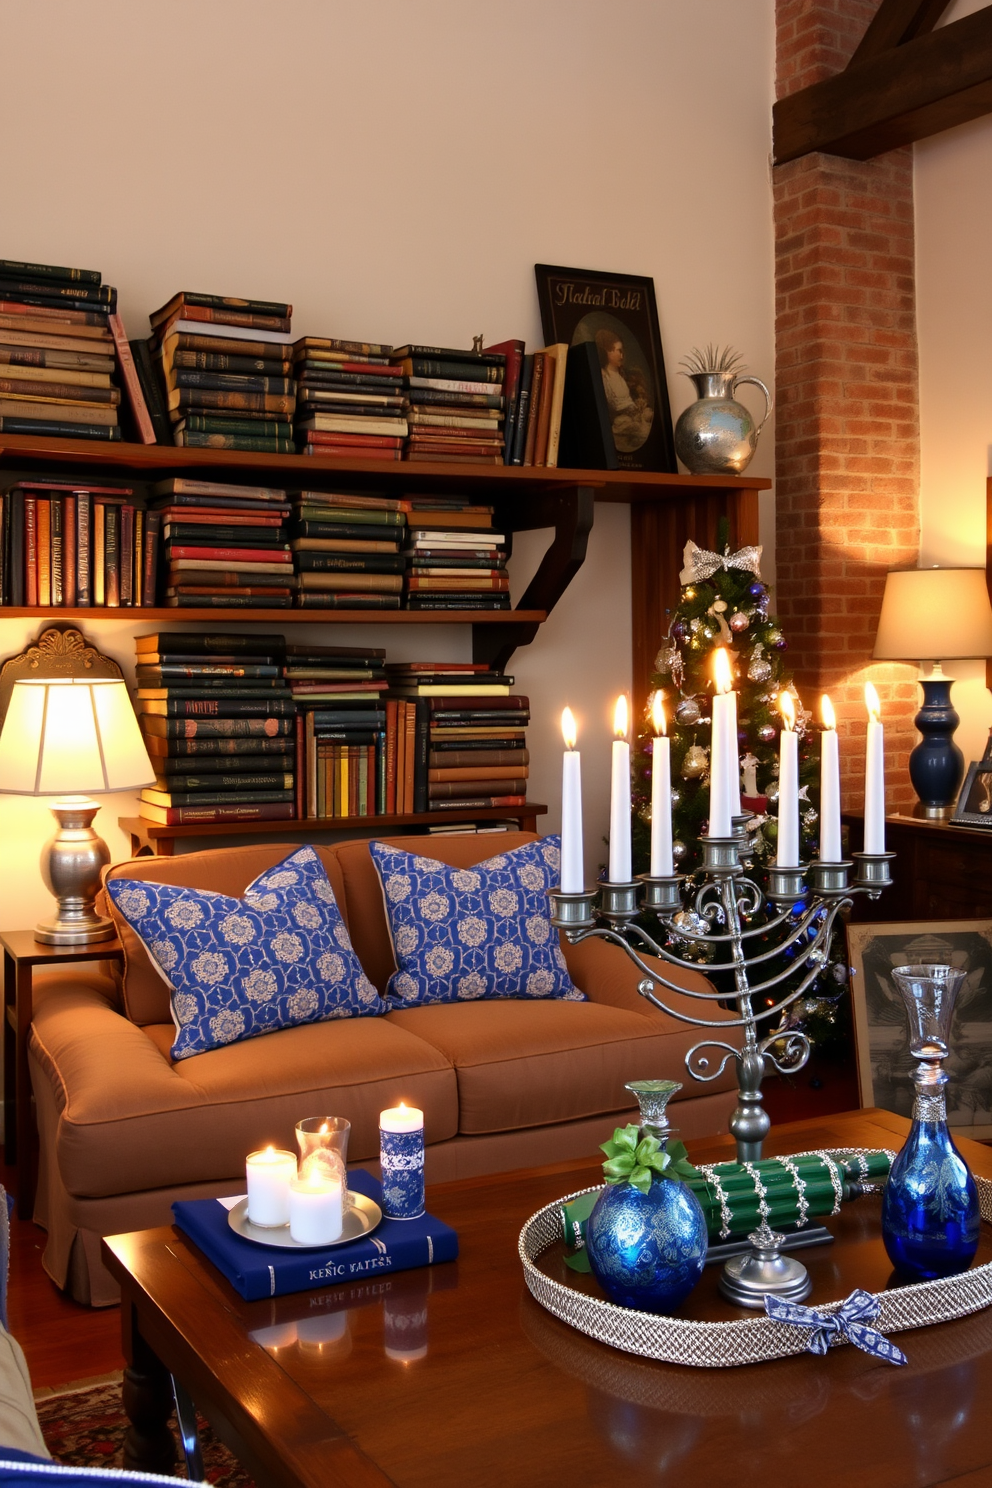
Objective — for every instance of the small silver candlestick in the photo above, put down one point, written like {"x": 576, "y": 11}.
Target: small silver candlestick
{"x": 748, "y": 932}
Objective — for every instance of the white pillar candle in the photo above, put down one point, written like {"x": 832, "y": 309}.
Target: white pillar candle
{"x": 401, "y": 1118}
{"x": 830, "y": 842}
{"x": 620, "y": 861}
{"x": 788, "y": 787}
{"x": 724, "y": 761}
{"x": 662, "y": 862}
{"x": 874, "y": 775}
{"x": 572, "y": 868}
{"x": 316, "y": 1208}
{"x": 268, "y": 1174}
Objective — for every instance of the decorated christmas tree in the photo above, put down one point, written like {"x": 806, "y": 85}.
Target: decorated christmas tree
{"x": 724, "y": 603}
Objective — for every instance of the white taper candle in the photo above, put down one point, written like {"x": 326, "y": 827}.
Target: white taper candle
{"x": 620, "y": 860}
{"x": 830, "y": 841}
{"x": 572, "y": 866}
{"x": 788, "y": 787}
{"x": 662, "y": 862}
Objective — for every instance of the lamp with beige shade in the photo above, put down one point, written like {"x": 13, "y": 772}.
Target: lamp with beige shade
{"x": 65, "y": 737}
{"x": 937, "y": 615}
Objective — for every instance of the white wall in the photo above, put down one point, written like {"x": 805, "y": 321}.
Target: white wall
{"x": 953, "y": 188}
{"x": 395, "y": 171}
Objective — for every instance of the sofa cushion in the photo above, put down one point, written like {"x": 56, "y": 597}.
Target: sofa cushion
{"x": 132, "y": 1120}
{"x": 523, "y": 1064}
{"x": 276, "y": 957}
{"x": 228, "y": 870}
{"x": 461, "y": 934}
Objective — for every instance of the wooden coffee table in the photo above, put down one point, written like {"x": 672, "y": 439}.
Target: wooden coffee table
{"x": 453, "y": 1377}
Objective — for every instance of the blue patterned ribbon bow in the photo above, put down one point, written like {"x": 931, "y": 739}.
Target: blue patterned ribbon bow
{"x": 850, "y": 1321}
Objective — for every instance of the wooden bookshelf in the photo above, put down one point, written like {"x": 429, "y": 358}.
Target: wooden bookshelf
{"x": 151, "y": 838}
{"x": 137, "y": 615}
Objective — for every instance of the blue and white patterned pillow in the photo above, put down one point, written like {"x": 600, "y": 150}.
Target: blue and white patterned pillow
{"x": 279, "y": 956}
{"x": 461, "y": 934}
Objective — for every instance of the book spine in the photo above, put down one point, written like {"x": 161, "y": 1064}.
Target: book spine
{"x": 175, "y": 816}
{"x": 11, "y": 268}
{"x": 451, "y": 371}
{"x": 5, "y": 500}
{"x": 56, "y": 515}
{"x": 199, "y": 423}
{"x": 269, "y": 308}
{"x": 44, "y": 554}
{"x": 53, "y": 391}
{"x": 544, "y": 410}
{"x": 129, "y": 374}
{"x": 151, "y": 389}
{"x": 153, "y": 526}
{"x": 522, "y": 412}
{"x": 422, "y": 712}
{"x": 458, "y": 790}
{"x": 70, "y": 560}
{"x": 52, "y": 428}
{"x": 210, "y": 316}
{"x": 243, "y": 382}
{"x": 111, "y": 556}
{"x": 60, "y": 294}
{"x": 98, "y": 554}
{"x": 474, "y": 803}
{"x": 238, "y": 442}
{"x": 206, "y": 361}
{"x": 126, "y": 557}
{"x": 30, "y": 550}
{"x": 138, "y": 556}
{"x": 14, "y": 513}
{"x": 537, "y": 379}
{"x": 84, "y": 543}
{"x": 217, "y": 728}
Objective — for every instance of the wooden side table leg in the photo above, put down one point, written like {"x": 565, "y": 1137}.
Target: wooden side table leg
{"x": 9, "y": 1061}
{"x": 26, "y": 1142}
{"x": 149, "y": 1445}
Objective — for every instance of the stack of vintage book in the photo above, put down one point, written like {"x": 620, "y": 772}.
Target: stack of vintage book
{"x": 72, "y": 545}
{"x": 226, "y": 371}
{"x": 217, "y": 717}
{"x": 225, "y": 546}
{"x": 350, "y": 399}
{"x": 340, "y": 729}
{"x": 455, "y": 561}
{"x": 347, "y": 551}
{"x": 538, "y": 404}
{"x": 468, "y": 729}
{"x": 57, "y": 348}
{"x": 456, "y": 404}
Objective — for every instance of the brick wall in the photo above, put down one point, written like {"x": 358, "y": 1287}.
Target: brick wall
{"x": 847, "y": 463}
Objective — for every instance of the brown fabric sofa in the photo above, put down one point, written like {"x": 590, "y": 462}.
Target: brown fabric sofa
{"x": 503, "y": 1084}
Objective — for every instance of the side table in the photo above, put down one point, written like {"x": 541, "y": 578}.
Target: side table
{"x": 21, "y": 955}
{"x": 940, "y": 872}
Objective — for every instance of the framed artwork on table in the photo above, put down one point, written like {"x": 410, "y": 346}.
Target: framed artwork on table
{"x": 885, "y": 1064}
{"x": 618, "y": 314}
{"x": 974, "y": 804}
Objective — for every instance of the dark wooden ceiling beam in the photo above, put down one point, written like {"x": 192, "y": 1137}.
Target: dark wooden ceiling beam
{"x": 907, "y": 93}
{"x": 896, "y": 21}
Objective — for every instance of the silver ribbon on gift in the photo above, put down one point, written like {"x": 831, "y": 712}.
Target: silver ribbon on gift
{"x": 701, "y": 564}
{"x": 850, "y": 1321}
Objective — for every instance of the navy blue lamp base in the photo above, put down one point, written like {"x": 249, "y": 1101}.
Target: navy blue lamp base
{"x": 936, "y": 765}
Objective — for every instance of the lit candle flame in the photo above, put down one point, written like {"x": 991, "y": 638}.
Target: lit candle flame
{"x": 872, "y": 703}
{"x": 788, "y": 711}
{"x": 568, "y": 730}
{"x": 722, "y": 673}
{"x": 620, "y": 717}
{"x": 323, "y": 1129}
{"x": 658, "y": 720}
{"x": 827, "y": 713}
{"x": 269, "y": 1153}
{"x": 402, "y": 1106}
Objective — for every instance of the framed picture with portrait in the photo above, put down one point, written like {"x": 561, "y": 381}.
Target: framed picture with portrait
{"x": 885, "y": 1064}
{"x": 974, "y": 804}
{"x": 618, "y": 314}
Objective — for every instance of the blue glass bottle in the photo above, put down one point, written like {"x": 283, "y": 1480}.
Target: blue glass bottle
{"x": 648, "y": 1250}
{"x": 930, "y": 1216}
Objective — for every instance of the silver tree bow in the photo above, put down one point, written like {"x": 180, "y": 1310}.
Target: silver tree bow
{"x": 700, "y": 564}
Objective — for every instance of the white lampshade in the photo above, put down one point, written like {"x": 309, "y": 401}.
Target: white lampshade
{"x": 69, "y": 736}
{"x": 934, "y": 614}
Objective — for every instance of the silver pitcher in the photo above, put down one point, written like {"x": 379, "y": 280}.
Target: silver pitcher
{"x": 716, "y": 435}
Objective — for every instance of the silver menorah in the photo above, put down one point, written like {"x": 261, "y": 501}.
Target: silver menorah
{"x": 748, "y": 933}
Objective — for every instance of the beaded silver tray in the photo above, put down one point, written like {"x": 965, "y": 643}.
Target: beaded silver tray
{"x": 743, "y": 1340}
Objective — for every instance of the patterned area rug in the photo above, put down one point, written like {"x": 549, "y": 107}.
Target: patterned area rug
{"x": 86, "y": 1429}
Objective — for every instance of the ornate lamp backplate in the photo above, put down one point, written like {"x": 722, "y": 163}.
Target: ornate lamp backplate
{"x": 58, "y": 652}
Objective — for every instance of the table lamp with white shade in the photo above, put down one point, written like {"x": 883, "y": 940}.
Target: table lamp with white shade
{"x": 935, "y": 614}
{"x": 66, "y": 737}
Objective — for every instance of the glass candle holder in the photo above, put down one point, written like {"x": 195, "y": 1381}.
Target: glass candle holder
{"x": 401, "y": 1154}
{"x": 323, "y": 1144}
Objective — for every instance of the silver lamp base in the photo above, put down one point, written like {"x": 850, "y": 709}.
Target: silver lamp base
{"x": 71, "y": 864}
{"x": 761, "y": 1272}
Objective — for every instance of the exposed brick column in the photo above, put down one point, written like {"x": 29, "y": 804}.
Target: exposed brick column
{"x": 847, "y": 464}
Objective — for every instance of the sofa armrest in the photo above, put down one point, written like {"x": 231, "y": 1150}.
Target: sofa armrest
{"x": 606, "y": 974}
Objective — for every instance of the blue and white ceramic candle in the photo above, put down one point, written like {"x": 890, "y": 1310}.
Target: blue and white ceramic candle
{"x": 401, "y": 1152}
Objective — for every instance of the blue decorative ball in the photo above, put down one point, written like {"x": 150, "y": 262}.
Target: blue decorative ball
{"x": 756, "y": 590}
{"x": 647, "y": 1251}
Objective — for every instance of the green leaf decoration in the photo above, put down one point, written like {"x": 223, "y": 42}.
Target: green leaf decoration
{"x": 636, "y": 1158}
